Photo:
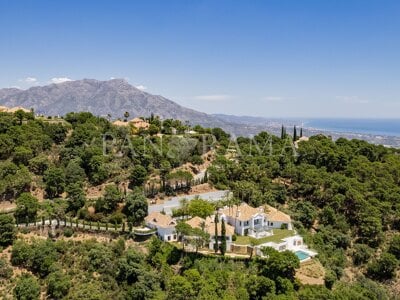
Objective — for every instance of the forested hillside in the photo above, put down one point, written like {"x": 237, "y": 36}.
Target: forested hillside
{"x": 343, "y": 195}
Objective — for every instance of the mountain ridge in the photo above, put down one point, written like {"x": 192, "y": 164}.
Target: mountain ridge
{"x": 115, "y": 97}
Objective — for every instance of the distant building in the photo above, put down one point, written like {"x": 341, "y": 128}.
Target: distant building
{"x": 13, "y": 109}
{"x": 137, "y": 123}
{"x": 164, "y": 224}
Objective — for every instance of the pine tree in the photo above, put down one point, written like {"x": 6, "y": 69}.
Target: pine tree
{"x": 282, "y": 132}
{"x": 223, "y": 237}
{"x": 216, "y": 233}
{"x": 294, "y": 133}
{"x": 301, "y": 132}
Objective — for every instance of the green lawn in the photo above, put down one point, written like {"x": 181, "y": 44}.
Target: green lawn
{"x": 278, "y": 235}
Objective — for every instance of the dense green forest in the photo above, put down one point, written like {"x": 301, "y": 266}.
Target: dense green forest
{"x": 344, "y": 196}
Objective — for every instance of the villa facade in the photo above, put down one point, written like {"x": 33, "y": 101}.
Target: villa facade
{"x": 255, "y": 221}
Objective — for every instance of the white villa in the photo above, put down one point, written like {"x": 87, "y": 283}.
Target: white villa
{"x": 257, "y": 222}
{"x": 164, "y": 224}
{"x": 208, "y": 225}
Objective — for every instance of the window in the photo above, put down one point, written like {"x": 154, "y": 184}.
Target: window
{"x": 174, "y": 236}
{"x": 272, "y": 224}
{"x": 169, "y": 238}
{"x": 240, "y": 223}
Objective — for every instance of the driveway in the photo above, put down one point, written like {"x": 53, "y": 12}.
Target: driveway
{"x": 174, "y": 202}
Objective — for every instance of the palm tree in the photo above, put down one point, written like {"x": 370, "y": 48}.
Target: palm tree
{"x": 126, "y": 116}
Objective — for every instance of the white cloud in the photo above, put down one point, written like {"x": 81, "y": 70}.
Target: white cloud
{"x": 29, "y": 81}
{"x": 141, "y": 87}
{"x": 214, "y": 97}
{"x": 273, "y": 99}
{"x": 60, "y": 79}
{"x": 352, "y": 99}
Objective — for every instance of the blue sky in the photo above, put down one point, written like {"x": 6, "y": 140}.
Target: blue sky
{"x": 273, "y": 58}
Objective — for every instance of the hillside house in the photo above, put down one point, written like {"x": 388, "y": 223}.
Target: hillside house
{"x": 164, "y": 224}
{"x": 255, "y": 221}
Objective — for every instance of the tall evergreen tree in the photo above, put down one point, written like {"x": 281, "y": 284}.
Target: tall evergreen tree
{"x": 283, "y": 132}
{"x": 301, "y": 132}
{"x": 223, "y": 237}
{"x": 216, "y": 233}
{"x": 294, "y": 133}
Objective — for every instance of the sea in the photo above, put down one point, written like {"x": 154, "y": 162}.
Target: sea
{"x": 384, "y": 127}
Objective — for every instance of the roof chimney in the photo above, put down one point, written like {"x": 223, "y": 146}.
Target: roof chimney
{"x": 238, "y": 213}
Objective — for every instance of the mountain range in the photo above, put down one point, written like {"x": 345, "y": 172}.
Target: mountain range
{"x": 117, "y": 96}
{"x": 101, "y": 98}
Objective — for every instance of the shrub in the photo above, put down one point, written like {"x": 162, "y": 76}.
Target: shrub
{"x": 5, "y": 269}
{"x": 116, "y": 217}
{"x": 27, "y": 288}
{"x": 68, "y": 232}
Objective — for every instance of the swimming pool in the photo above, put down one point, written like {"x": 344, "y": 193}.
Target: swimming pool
{"x": 301, "y": 255}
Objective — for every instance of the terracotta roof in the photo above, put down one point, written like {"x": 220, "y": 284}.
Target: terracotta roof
{"x": 160, "y": 220}
{"x": 14, "y": 109}
{"x": 243, "y": 212}
{"x": 210, "y": 225}
{"x": 195, "y": 222}
{"x": 120, "y": 123}
{"x": 139, "y": 123}
{"x": 275, "y": 215}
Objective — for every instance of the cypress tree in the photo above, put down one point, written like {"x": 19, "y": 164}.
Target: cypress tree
{"x": 301, "y": 132}
{"x": 223, "y": 237}
{"x": 294, "y": 133}
{"x": 216, "y": 233}
{"x": 282, "y": 132}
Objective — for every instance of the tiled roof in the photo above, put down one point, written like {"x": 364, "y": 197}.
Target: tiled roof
{"x": 160, "y": 220}
{"x": 245, "y": 212}
{"x": 139, "y": 123}
{"x": 210, "y": 225}
{"x": 120, "y": 123}
{"x": 275, "y": 215}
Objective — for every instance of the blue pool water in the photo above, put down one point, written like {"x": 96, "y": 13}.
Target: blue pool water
{"x": 301, "y": 255}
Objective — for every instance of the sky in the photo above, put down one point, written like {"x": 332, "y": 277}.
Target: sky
{"x": 271, "y": 58}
